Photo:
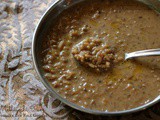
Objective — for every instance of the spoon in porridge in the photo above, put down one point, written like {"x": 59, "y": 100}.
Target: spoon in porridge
{"x": 95, "y": 54}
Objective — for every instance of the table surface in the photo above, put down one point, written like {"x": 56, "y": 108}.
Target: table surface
{"x": 22, "y": 95}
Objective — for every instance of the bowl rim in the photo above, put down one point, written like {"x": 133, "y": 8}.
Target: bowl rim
{"x": 57, "y": 95}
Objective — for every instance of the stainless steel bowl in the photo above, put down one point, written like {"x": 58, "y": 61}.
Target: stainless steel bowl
{"x": 44, "y": 23}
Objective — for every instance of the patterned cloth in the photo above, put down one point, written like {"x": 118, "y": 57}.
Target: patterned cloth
{"x": 22, "y": 95}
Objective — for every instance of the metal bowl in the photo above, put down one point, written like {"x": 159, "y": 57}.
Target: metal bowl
{"x": 49, "y": 16}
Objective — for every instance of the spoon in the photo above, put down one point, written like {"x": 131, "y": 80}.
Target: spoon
{"x": 143, "y": 53}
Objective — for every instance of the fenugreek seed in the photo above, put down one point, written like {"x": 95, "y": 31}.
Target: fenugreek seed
{"x": 55, "y": 84}
{"x": 61, "y": 45}
{"x": 92, "y": 101}
{"x": 110, "y": 83}
{"x": 128, "y": 87}
{"x": 50, "y": 76}
{"x": 48, "y": 68}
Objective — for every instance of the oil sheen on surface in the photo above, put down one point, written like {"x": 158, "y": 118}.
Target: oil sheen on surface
{"x": 126, "y": 26}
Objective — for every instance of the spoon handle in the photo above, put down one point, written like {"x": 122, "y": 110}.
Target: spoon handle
{"x": 143, "y": 53}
